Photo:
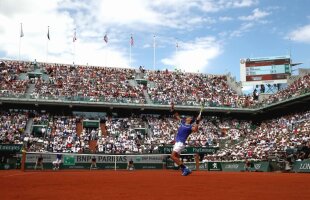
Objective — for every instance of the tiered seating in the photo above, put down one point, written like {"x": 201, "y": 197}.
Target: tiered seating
{"x": 12, "y": 126}
{"x": 88, "y": 83}
{"x": 57, "y": 135}
{"x": 278, "y": 135}
{"x": 10, "y": 85}
{"x": 192, "y": 89}
{"x": 116, "y": 85}
{"x": 123, "y": 136}
{"x": 297, "y": 88}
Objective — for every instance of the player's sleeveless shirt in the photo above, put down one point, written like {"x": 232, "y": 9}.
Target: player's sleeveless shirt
{"x": 183, "y": 132}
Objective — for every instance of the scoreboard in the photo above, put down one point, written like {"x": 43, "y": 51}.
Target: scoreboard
{"x": 272, "y": 69}
{"x": 254, "y": 71}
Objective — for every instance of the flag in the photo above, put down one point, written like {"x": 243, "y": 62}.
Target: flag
{"x": 48, "y": 33}
{"x": 105, "y": 38}
{"x": 21, "y": 30}
{"x": 74, "y": 36}
{"x": 131, "y": 41}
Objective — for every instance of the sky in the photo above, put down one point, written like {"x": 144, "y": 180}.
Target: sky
{"x": 208, "y": 36}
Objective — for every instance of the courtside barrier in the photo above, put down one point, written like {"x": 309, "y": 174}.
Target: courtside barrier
{"x": 237, "y": 166}
{"x": 83, "y": 161}
{"x": 214, "y": 166}
{"x": 302, "y": 166}
{"x": 10, "y": 148}
{"x": 9, "y": 156}
{"x": 259, "y": 166}
{"x": 190, "y": 150}
{"x": 145, "y": 161}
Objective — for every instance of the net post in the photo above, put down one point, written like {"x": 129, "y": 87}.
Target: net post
{"x": 22, "y": 168}
{"x": 197, "y": 161}
{"x": 115, "y": 163}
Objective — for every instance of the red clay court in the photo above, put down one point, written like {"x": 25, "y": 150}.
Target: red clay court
{"x": 152, "y": 184}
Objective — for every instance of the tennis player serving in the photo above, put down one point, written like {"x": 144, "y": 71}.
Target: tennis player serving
{"x": 187, "y": 126}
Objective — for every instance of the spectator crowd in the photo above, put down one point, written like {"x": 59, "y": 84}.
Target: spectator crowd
{"x": 193, "y": 89}
{"x": 118, "y": 85}
{"x": 236, "y": 139}
{"x": 10, "y": 84}
{"x": 88, "y": 83}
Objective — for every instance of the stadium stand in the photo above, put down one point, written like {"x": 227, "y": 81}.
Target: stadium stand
{"x": 298, "y": 87}
{"x": 12, "y": 126}
{"x": 285, "y": 136}
{"x": 189, "y": 89}
{"x": 11, "y": 84}
{"x": 116, "y": 85}
{"x": 88, "y": 84}
{"x": 239, "y": 139}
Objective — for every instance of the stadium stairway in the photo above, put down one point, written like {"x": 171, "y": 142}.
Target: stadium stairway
{"x": 92, "y": 146}
{"x": 29, "y": 125}
{"x": 23, "y": 76}
{"x": 151, "y": 84}
{"x": 139, "y": 75}
{"x": 45, "y": 77}
{"x": 132, "y": 83}
{"x": 29, "y": 90}
{"x": 147, "y": 98}
{"x": 233, "y": 84}
{"x": 103, "y": 129}
{"x": 79, "y": 128}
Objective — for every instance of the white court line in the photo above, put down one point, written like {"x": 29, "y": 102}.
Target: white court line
{"x": 20, "y": 174}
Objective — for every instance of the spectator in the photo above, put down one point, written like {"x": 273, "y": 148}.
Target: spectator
{"x": 130, "y": 165}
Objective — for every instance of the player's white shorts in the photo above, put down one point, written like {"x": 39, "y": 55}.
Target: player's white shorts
{"x": 178, "y": 147}
{"x": 57, "y": 162}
